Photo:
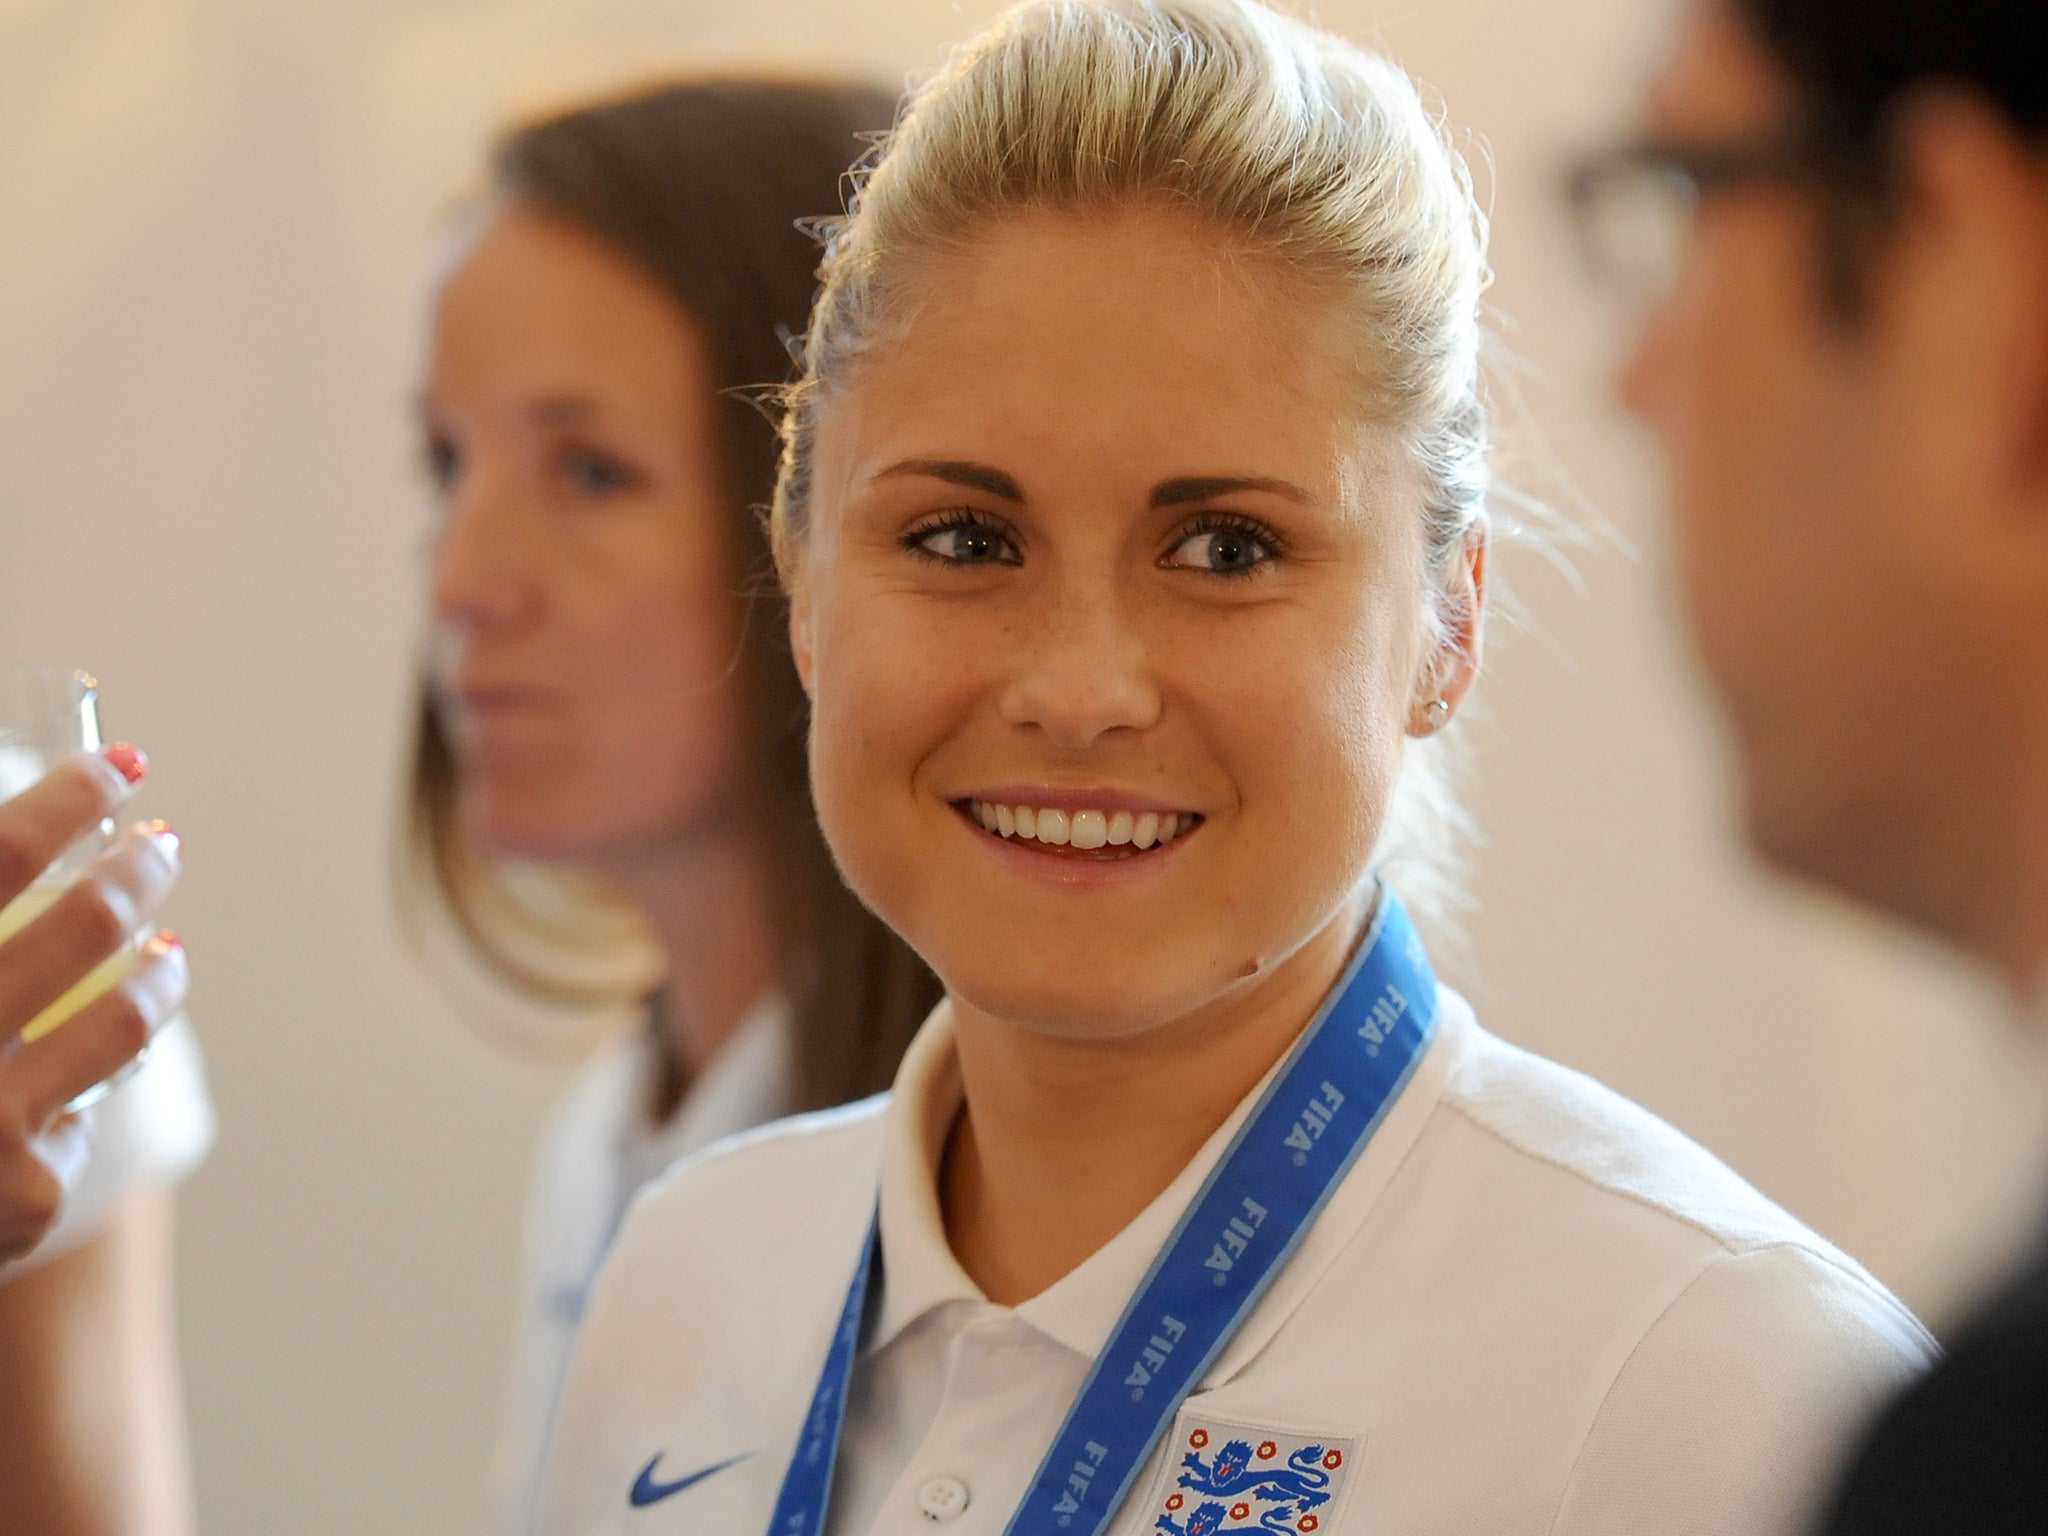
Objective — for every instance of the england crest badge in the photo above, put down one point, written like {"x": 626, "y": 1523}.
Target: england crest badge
{"x": 1222, "y": 1477}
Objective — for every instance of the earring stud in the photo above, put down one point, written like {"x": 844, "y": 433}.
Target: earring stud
{"x": 1436, "y": 712}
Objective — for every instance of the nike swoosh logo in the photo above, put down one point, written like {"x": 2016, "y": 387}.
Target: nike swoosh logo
{"x": 647, "y": 1491}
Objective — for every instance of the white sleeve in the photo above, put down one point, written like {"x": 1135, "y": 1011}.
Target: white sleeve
{"x": 153, "y": 1130}
{"x": 1730, "y": 1414}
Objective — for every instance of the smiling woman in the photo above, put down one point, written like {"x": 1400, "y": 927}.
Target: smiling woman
{"x": 1132, "y": 511}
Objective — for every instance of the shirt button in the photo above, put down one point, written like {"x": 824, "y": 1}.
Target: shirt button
{"x": 942, "y": 1498}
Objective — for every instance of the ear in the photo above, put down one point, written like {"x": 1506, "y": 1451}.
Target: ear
{"x": 1452, "y": 665}
{"x": 1966, "y": 307}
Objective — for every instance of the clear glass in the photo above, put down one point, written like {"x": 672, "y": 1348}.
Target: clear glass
{"x": 46, "y": 715}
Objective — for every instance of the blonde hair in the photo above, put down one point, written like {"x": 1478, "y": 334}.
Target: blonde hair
{"x": 1301, "y": 147}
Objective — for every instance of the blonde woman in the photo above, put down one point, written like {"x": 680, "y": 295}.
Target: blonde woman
{"x": 1132, "y": 508}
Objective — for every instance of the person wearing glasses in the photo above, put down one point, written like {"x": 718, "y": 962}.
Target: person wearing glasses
{"x": 91, "y": 1426}
{"x": 1836, "y": 223}
{"x": 1133, "y": 512}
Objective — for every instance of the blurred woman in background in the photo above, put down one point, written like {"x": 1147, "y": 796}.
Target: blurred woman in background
{"x": 609, "y": 805}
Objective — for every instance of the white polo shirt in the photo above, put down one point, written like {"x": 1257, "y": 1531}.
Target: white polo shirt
{"x": 595, "y": 1152}
{"x": 1529, "y": 1307}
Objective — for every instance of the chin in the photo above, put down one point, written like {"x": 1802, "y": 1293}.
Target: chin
{"x": 1069, "y": 1008}
{"x": 503, "y": 823}
{"x": 1829, "y": 831}
{"x": 1098, "y": 986}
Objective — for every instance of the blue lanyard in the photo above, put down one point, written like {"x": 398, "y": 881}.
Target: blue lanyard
{"x": 1259, "y": 1202}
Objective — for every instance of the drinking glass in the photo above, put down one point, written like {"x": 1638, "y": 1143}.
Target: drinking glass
{"x": 46, "y": 715}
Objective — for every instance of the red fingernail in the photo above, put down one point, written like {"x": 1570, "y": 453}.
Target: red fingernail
{"x": 169, "y": 939}
{"x": 128, "y": 761}
{"x": 161, "y": 831}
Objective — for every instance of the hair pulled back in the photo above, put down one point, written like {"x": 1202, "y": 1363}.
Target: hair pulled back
{"x": 1292, "y": 144}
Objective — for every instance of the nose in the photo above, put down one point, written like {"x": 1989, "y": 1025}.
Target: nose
{"x": 1083, "y": 669}
{"x": 483, "y": 570}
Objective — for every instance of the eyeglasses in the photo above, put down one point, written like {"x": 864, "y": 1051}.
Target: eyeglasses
{"x": 1632, "y": 205}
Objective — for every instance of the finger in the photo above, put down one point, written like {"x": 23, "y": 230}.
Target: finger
{"x": 61, "y": 807}
{"x": 41, "y": 1078}
{"x": 111, "y": 901}
{"x": 30, "y": 1198}
{"x": 65, "y": 1148}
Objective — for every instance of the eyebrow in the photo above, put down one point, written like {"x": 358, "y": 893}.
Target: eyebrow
{"x": 1175, "y": 493}
{"x": 563, "y": 410}
{"x": 550, "y": 411}
{"x": 1168, "y": 493}
{"x": 976, "y": 477}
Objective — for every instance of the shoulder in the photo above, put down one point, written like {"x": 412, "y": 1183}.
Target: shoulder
{"x": 1588, "y": 1146}
{"x": 716, "y": 1300}
{"x": 1733, "y": 1348}
{"x": 1720, "y": 1260}
{"x": 1966, "y": 1446}
{"x": 809, "y": 1173}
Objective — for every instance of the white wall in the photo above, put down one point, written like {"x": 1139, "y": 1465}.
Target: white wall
{"x": 211, "y": 213}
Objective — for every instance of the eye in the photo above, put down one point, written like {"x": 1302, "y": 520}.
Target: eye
{"x": 440, "y": 462}
{"x": 591, "y": 472}
{"x": 1223, "y": 546}
{"x": 963, "y": 538}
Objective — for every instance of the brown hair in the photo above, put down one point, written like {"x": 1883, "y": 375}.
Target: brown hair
{"x": 702, "y": 187}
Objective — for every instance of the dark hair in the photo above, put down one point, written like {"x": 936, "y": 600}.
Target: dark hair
{"x": 701, "y": 187}
{"x": 1853, "y": 61}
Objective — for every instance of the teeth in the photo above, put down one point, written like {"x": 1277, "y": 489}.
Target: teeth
{"x": 1084, "y": 829}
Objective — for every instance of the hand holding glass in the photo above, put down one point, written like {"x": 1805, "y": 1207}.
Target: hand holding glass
{"x": 77, "y": 928}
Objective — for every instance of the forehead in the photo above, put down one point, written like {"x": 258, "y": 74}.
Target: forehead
{"x": 1118, "y": 342}
{"x": 524, "y": 301}
{"x": 1711, "y": 75}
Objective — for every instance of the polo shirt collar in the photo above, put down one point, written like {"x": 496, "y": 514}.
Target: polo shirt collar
{"x": 1080, "y": 1311}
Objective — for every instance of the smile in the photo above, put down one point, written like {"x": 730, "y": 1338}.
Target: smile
{"x": 1081, "y": 830}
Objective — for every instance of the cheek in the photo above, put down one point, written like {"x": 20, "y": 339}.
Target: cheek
{"x": 892, "y": 677}
{"x": 1742, "y": 419}
{"x": 1301, "y": 709}
{"x": 655, "y": 654}
{"x": 1319, "y": 788}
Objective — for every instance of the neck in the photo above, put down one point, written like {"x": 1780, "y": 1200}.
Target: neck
{"x": 2006, "y": 918}
{"x": 2027, "y": 972}
{"x": 708, "y": 905}
{"x": 1062, "y": 1142}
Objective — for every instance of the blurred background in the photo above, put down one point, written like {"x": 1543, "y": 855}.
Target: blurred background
{"x": 213, "y": 217}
